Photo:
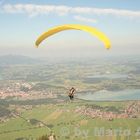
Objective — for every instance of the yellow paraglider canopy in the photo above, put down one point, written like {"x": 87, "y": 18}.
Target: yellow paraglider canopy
{"x": 91, "y": 30}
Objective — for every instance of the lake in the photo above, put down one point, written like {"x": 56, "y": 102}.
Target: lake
{"x": 104, "y": 95}
{"x": 91, "y": 79}
{"x": 108, "y": 76}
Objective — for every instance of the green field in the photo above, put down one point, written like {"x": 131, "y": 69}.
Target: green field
{"x": 66, "y": 124}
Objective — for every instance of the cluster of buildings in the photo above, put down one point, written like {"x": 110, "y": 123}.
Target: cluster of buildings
{"x": 16, "y": 91}
{"x": 132, "y": 111}
{"x": 5, "y": 94}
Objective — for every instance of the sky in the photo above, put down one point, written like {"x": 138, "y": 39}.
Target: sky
{"x": 21, "y": 22}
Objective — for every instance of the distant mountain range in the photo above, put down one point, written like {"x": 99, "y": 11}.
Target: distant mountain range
{"x": 17, "y": 60}
{"x": 21, "y": 60}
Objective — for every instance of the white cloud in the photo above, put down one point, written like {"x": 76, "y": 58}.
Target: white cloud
{"x": 84, "y": 19}
{"x": 32, "y": 10}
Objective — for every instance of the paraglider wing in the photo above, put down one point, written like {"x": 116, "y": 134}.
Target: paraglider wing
{"x": 88, "y": 29}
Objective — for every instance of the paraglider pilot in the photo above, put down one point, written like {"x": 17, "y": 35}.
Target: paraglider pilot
{"x": 71, "y": 93}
